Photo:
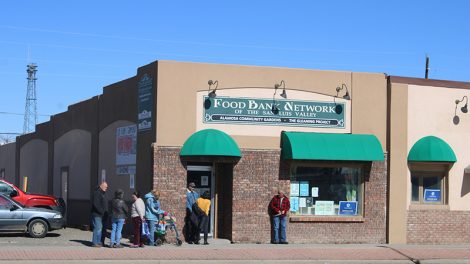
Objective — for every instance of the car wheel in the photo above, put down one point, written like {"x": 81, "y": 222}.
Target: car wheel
{"x": 37, "y": 228}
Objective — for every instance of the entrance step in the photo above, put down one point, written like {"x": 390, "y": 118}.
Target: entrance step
{"x": 218, "y": 241}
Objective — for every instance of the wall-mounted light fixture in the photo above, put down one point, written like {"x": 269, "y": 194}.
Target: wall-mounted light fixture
{"x": 339, "y": 108}
{"x": 346, "y": 95}
{"x": 212, "y": 93}
{"x": 464, "y": 109}
{"x": 274, "y": 107}
{"x": 277, "y": 86}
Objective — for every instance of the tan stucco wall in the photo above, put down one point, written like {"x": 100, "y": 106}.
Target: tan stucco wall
{"x": 7, "y": 161}
{"x": 34, "y": 165}
{"x": 369, "y": 105}
{"x": 73, "y": 150}
{"x": 178, "y": 83}
{"x": 107, "y": 161}
{"x": 398, "y": 163}
{"x": 430, "y": 112}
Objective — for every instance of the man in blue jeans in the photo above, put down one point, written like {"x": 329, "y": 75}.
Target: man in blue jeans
{"x": 99, "y": 214}
{"x": 279, "y": 206}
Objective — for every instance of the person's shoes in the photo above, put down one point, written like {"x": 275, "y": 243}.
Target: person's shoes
{"x": 274, "y": 242}
{"x": 190, "y": 242}
{"x": 284, "y": 242}
{"x": 196, "y": 242}
{"x": 96, "y": 245}
{"x": 134, "y": 246}
{"x": 141, "y": 246}
{"x": 206, "y": 243}
{"x": 118, "y": 246}
{"x": 111, "y": 245}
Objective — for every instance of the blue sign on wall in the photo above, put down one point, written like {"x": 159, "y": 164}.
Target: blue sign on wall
{"x": 432, "y": 195}
{"x": 347, "y": 208}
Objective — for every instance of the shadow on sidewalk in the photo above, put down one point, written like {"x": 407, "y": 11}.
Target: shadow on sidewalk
{"x": 83, "y": 242}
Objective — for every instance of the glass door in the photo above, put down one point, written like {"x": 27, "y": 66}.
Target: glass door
{"x": 203, "y": 177}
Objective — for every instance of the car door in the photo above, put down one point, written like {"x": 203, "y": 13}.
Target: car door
{"x": 11, "y": 215}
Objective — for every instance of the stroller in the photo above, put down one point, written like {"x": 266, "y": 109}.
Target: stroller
{"x": 166, "y": 223}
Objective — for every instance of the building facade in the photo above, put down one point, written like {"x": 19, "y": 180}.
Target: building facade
{"x": 337, "y": 143}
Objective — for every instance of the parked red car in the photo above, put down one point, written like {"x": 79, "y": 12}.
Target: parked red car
{"x": 32, "y": 200}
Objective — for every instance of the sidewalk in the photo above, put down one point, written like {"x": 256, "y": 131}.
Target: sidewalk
{"x": 249, "y": 253}
{"x": 73, "y": 245}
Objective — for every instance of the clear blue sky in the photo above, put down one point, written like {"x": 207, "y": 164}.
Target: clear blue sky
{"x": 81, "y": 46}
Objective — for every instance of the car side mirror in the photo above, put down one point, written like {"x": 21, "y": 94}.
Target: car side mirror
{"x": 13, "y": 207}
{"x": 14, "y": 193}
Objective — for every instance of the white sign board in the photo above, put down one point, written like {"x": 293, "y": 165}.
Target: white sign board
{"x": 126, "y": 146}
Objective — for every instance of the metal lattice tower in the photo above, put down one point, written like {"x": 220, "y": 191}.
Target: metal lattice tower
{"x": 30, "y": 110}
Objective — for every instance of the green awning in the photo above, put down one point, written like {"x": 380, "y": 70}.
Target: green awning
{"x": 210, "y": 142}
{"x": 321, "y": 146}
{"x": 431, "y": 149}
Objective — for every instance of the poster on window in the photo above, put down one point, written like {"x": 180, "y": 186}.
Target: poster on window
{"x": 294, "y": 204}
{"x": 432, "y": 195}
{"x": 304, "y": 188}
{"x": 314, "y": 191}
{"x": 294, "y": 188}
{"x": 126, "y": 148}
{"x": 204, "y": 180}
{"x": 324, "y": 208}
{"x": 347, "y": 208}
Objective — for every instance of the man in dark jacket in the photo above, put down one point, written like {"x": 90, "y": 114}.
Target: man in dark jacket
{"x": 279, "y": 206}
{"x": 99, "y": 214}
{"x": 191, "y": 222}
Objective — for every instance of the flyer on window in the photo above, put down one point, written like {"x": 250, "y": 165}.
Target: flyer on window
{"x": 304, "y": 188}
{"x": 294, "y": 204}
{"x": 294, "y": 188}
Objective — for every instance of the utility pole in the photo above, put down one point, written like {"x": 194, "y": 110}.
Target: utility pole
{"x": 427, "y": 67}
{"x": 31, "y": 111}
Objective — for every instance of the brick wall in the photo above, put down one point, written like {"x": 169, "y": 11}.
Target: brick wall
{"x": 438, "y": 227}
{"x": 259, "y": 171}
{"x": 169, "y": 177}
{"x": 254, "y": 177}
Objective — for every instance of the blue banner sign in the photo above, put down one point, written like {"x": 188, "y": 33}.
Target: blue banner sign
{"x": 285, "y": 112}
{"x": 347, "y": 208}
{"x": 145, "y": 102}
{"x": 432, "y": 195}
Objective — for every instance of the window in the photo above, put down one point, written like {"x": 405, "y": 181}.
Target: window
{"x": 4, "y": 204}
{"x": 329, "y": 189}
{"x": 429, "y": 183}
{"x": 427, "y": 188}
{"x": 5, "y": 188}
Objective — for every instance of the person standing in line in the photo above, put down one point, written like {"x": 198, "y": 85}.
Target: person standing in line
{"x": 99, "y": 214}
{"x": 119, "y": 212}
{"x": 138, "y": 217}
{"x": 152, "y": 210}
{"x": 203, "y": 203}
{"x": 279, "y": 206}
{"x": 191, "y": 226}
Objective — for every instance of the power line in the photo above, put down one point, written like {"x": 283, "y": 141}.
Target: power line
{"x": 20, "y": 114}
{"x": 202, "y": 43}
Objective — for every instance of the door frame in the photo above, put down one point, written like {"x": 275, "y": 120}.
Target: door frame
{"x": 213, "y": 213}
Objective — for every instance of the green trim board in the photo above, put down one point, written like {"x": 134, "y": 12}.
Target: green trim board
{"x": 431, "y": 149}
{"x": 210, "y": 142}
{"x": 323, "y": 146}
